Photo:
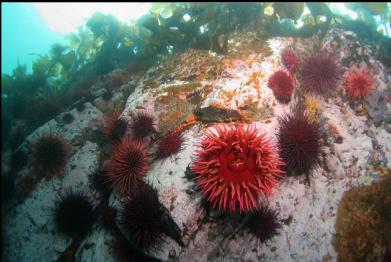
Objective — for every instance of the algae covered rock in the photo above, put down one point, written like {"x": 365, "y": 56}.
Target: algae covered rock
{"x": 363, "y": 226}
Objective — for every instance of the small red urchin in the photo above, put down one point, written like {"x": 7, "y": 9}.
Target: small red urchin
{"x": 169, "y": 144}
{"x": 128, "y": 165}
{"x": 290, "y": 60}
{"x": 115, "y": 127}
{"x": 359, "y": 83}
{"x": 320, "y": 74}
{"x": 142, "y": 124}
{"x": 50, "y": 154}
{"x": 282, "y": 85}
{"x": 235, "y": 166}
{"x": 299, "y": 142}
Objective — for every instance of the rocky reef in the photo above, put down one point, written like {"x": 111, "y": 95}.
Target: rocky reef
{"x": 187, "y": 94}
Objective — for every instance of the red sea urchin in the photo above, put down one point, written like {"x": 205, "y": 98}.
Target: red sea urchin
{"x": 299, "y": 142}
{"x": 235, "y": 166}
{"x": 142, "y": 124}
{"x": 128, "y": 165}
{"x": 282, "y": 85}
{"x": 290, "y": 60}
{"x": 168, "y": 145}
{"x": 50, "y": 154}
{"x": 320, "y": 74}
{"x": 359, "y": 83}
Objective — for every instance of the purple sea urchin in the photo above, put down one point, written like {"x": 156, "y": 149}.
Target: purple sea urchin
{"x": 67, "y": 118}
{"x": 99, "y": 181}
{"x": 299, "y": 142}
{"x": 74, "y": 214}
{"x": 115, "y": 127}
{"x": 143, "y": 217}
{"x": 320, "y": 74}
{"x": 108, "y": 216}
{"x": 50, "y": 154}
{"x": 264, "y": 223}
{"x": 142, "y": 124}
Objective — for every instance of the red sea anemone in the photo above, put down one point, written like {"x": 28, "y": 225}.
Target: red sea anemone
{"x": 142, "y": 124}
{"x": 168, "y": 145}
{"x": 50, "y": 154}
{"x": 299, "y": 142}
{"x": 290, "y": 60}
{"x": 115, "y": 127}
{"x": 359, "y": 83}
{"x": 282, "y": 85}
{"x": 128, "y": 165}
{"x": 320, "y": 74}
{"x": 235, "y": 166}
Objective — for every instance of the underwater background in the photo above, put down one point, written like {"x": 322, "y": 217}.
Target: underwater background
{"x": 196, "y": 131}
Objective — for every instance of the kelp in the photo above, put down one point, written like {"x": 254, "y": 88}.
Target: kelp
{"x": 104, "y": 43}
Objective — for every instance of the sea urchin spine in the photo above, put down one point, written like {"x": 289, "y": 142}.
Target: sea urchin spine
{"x": 236, "y": 166}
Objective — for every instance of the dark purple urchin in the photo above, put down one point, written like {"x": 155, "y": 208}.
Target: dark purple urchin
{"x": 300, "y": 143}
{"x": 67, "y": 118}
{"x": 108, "y": 217}
{"x": 123, "y": 251}
{"x": 168, "y": 145}
{"x": 99, "y": 182}
{"x": 144, "y": 217}
{"x": 115, "y": 128}
{"x": 74, "y": 214}
{"x": 50, "y": 154}
{"x": 142, "y": 124}
{"x": 264, "y": 223}
{"x": 320, "y": 74}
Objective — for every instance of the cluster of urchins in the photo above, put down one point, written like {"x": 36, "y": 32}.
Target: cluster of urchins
{"x": 235, "y": 167}
{"x": 141, "y": 221}
{"x": 318, "y": 74}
